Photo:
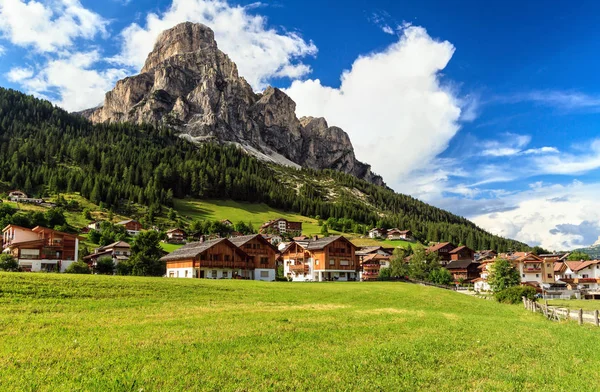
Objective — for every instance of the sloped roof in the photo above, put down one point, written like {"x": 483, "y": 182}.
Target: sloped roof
{"x": 459, "y": 264}
{"x": 193, "y": 249}
{"x": 118, "y": 244}
{"x": 243, "y": 239}
{"x": 127, "y": 221}
{"x": 460, "y": 248}
{"x": 579, "y": 265}
{"x": 439, "y": 246}
{"x": 323, "y": 242}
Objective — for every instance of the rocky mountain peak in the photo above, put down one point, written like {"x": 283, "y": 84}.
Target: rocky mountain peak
{"x": 188, "y": 84}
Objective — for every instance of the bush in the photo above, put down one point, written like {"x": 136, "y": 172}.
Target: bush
{"x": 124, "y": 267}
{"x": 441, "y": 276}
{"x": 78, "y": 268}
{"x": 105, "y": 266}
{"x": 515, "y": 294}
{"x": 8, "y": 263}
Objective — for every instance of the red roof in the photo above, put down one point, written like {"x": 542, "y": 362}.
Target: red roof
{"x": 439, "y": 246}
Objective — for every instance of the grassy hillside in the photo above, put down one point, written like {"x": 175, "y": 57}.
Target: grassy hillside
{"x": 62, "y": 332}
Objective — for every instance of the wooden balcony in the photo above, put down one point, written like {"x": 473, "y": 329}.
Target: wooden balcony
{"x": 586, "y": 280}
{"x": 225, "y": 264}
{"x": 300, "y": 268}
{"x": 532, "y": 270}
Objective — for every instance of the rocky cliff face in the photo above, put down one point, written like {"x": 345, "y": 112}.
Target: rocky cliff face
{"x": 187, "y": 83}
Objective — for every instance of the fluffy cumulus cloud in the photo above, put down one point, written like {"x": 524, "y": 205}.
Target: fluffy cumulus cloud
{"x": 260, "y": 52}
{"x": 79, "y": 86}
{"x": 557, "y": 217}
{"x": 47, "y": 26}
{"x": 392, "y": 104}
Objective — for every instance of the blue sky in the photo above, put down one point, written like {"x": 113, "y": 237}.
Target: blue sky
{"x": 487, "y": 110}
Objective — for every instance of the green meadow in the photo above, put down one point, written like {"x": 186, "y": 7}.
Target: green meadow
{"x": 110, "y": 333}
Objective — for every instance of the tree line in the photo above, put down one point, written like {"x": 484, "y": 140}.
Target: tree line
{"x": 45, "y": 150}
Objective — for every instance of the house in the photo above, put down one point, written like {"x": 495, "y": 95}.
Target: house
{"x": 377, "y": 232}
{"x": 282, "y": 226}
{"x": 176, "y": 236}
{"x": 227, "y": 222}
{"x": 372, "y": 264}
{"x": 320, "y": 259}
{"x": 261, "y": 252}
{"x": 118, "y": 251}
{"x": 213, "y": 259}
{"x": 581, "y": 275}
{"x": 95, "y": 225}
{"x": 481, "y": 283}
{"x": 485, "y": 255}
{"x": 40, "y": 248}
{"x": 464, "y": 271}
{"x": 21, "y": 197}
{"x": 395, "y": 234}
{"x": 132, "y": 226}
{"x": 16, "y": 195}
{"x": 274, "y": 239}
{"x": 443, "y": 250}
{"x": 462, "y": 253}
{"x": 533, "y": 270}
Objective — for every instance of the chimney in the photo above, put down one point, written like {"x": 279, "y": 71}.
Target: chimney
{"x": 316, "y": 237}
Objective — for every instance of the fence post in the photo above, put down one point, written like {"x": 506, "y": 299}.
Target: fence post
{"x": 524, "y": 302}
{"x": 596, "y": 320}
{"x": 580, "y": 316}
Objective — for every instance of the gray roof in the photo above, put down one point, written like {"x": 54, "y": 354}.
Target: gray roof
{"x": 322, "y": 242}
{"x": 118, "y": 244}
{"x": 242, "y": 239}
{"x": 193, "y": 249}
{"x": 459, "y": 264}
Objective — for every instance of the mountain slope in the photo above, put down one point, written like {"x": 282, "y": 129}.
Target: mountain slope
{"x": 191, "y": 86}
{"x": 44, "y": 149}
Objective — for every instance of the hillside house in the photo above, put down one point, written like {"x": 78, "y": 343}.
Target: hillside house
{"x": 227, "y": 222}
{"x": 21, "y": 197}
{"x": 533, "y": 269}
{"x": 282, "y": 226}
{"x": 94, "y": 225}
{"x": 175, "y": 236}
{"x": 320, "y": 259}
{"x": 395, "y": 234}
{"x": 213, "y": 259}
{"x": 377, "y": 232}
{"x": 581, "y": 275}
{"x": 118, "y": 251}
{"x": 462, "y": 253}
{"x": 40, "y": 248}
{"x": 261, "y": 253}
{"x": 273, "y": 239}
{"x": 483, "y": 255}
{"x": 481, "y": 283}
{"x": 132, "y": 226}
{"x": 443, "y": 250}
{"x": 464, "y": 271}
{"x": 371, "y": 265}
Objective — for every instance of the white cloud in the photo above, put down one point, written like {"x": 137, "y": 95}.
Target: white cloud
{"x": 48, "y": 25}
{"x": 388, "y": 30}
{"x": 392, "y": 104}
{"x": 567, "y": 100}
{"x": 19, "y": 74}
{"x": 557, "y": 217}
{"x": 2, "y": 50}
{"x": 260, "y": 52}
{"x": 79, "y": 85}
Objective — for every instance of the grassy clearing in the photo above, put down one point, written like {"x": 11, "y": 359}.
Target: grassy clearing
{"x": 61, "y": 332}
{"x": 169, "y": 247}
{"x": 576, "y": 304}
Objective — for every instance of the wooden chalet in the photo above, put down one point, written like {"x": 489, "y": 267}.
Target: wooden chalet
{"x": 443, "y": 250}
{"x": 261, "y": 253}
{"x": 118, "y": 251}
{"x": 176, "y": 236}
{"x": 213, "y": 259}
{"x": 462, "y": 253}
{"x": 396, "y": 234}
{"x": 372, "y": 264}
{"x": 321, "y": 259}
{"x": 132, "y": 226}
{"x": 463, "y": 271}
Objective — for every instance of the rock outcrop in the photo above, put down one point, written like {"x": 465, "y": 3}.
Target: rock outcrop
{"x": 187, "y": 83}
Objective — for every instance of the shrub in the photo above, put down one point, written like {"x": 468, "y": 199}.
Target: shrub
{"x": 8, "y": 263}
{"x": 78, "y": 268}
{"x": 514, "y": 295}
{"x": 124, "y": 267}
{"x": 441, "y": 276}
{"x": 105, "y": 266}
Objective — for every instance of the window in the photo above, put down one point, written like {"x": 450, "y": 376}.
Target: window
{"x": 264, "y": 260}
{"x": 171, "y": 274}
{"x": 332, "y": 262}
{"x": 227, "y": 257}
{"x": 537, "y": 275}
{"x": 203, "y": 257}
{"x": 342, "y": 274}
{"x": 264, "y": 274}
{"x": 550, "y": 276}
{"x": 224, "y": 274}
{"x": 317, "y": 262}
{"x": 344, "y": 262}
{"x": 523, "y": 275}
{"x": 585, "y": 276}
{"x": 214, "y": 274}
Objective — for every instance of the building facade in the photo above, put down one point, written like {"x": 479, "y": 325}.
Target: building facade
{"x": 283, "y": 227}
{"x": 40, "y": 248}
{"x": 261, "y": 253}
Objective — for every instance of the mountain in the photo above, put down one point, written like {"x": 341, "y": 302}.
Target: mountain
{"x": 592, "y": 250}
{"x": 188, "y": 84}
{"x": 45, "y": 150}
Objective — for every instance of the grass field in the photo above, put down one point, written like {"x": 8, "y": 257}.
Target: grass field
{"x": 576, "y": 304}
{"x": 109, "y": 333}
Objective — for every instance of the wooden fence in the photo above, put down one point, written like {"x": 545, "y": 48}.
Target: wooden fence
{"x": 557, "y": 314}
